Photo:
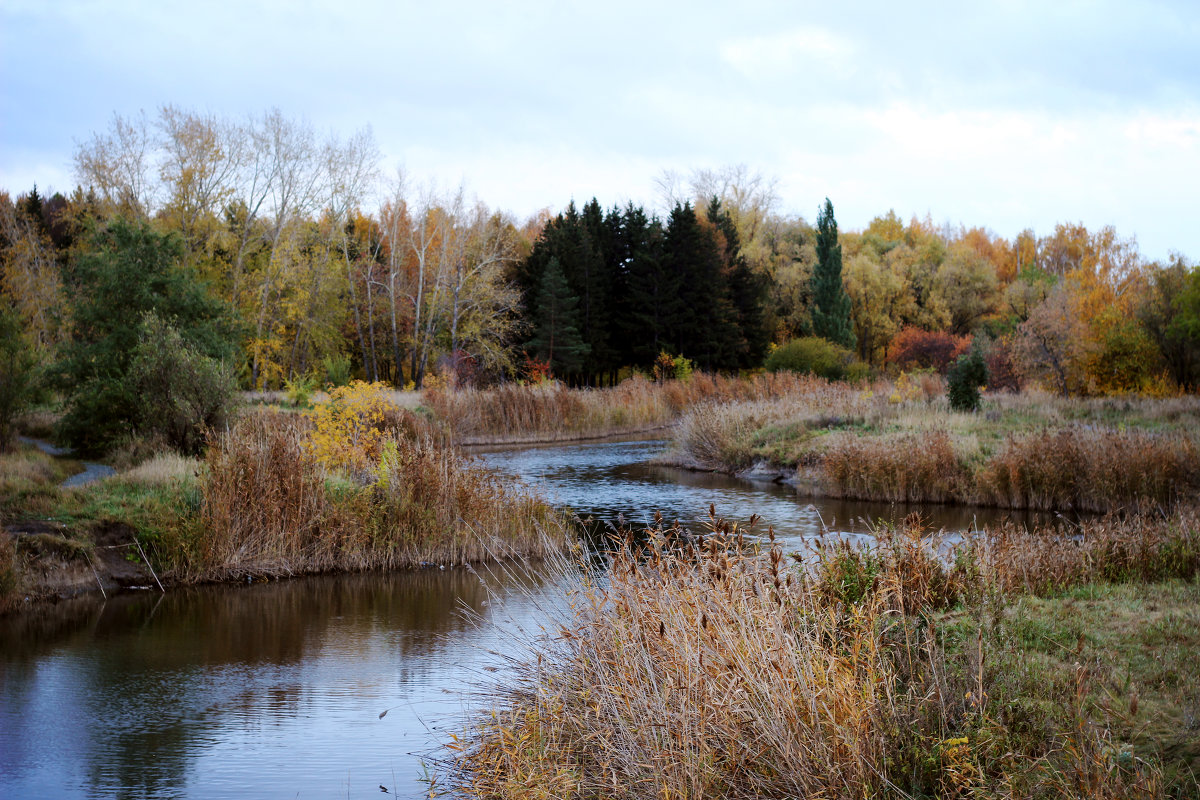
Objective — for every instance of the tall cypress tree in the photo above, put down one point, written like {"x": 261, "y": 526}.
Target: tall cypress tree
{"x": 831, "y": 304}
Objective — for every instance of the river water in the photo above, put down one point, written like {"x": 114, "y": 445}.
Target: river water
{"x": 276, "y": 689}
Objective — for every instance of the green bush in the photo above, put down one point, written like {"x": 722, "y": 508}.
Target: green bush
{"x": 337, "y": 370}
{"x": 179, "y": 393}
{"x": 813, "y": 355}
{"x": 967, "y": 374}
{"x": 300, "y": 390}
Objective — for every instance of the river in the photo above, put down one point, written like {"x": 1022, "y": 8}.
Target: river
{"x": 275, "y": 690}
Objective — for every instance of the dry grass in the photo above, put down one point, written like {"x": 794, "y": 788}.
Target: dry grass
{"x": 890, "y": 442}
{"x": 899, "y": 469}
{"x": 268, "y": 507}
{"x": 1091, "y": 470}
{"x": 695, "y": 667}
{"x": 552, "y": 412}
{"x": 161, "y": 470}
{"x": 29, "y": 481}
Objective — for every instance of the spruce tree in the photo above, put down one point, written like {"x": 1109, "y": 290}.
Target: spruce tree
{"x": 747, "y": 291}
{"x": 831, "y": 304}
{"x": 556, "y": 336}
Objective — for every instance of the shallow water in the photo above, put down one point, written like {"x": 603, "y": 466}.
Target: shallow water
{"x": 604, "y": 480}
{"x": 275, "y": 690}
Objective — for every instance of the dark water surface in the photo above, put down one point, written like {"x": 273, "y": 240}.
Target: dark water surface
{"x": 275, "y": 690}
{"x": 606, "y": 479}
{"x": 270, "y": 690}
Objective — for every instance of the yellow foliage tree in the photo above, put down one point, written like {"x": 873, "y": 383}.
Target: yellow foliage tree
{"x": 348, "y": 428}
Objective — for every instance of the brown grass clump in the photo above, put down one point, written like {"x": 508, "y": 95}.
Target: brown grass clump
{"x": 8, "y": 573}
{"x": 901, "y": 469}
{"x": 1091, "y": 470}
{"x": 1137, "y": 548}
{"x": 695, "y": 667}
{"x": 268, "y": 506}
{"x": 162, "y": 469}
{"x": 686, "y": 677}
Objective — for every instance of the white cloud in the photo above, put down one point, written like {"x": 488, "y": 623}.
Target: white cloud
{"x": 776, "y": 54}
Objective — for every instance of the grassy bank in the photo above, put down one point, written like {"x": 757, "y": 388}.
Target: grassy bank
{"x": 552, "y": 412}
{"x": 354, "y": 485}
{"x": 898, "y": 442}
{"x": 699, "y": 669}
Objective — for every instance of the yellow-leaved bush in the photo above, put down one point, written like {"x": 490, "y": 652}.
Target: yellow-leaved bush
{"x": 347, "y": 428}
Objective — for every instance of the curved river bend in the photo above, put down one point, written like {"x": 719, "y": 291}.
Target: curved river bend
{"x": 276, "y": 690}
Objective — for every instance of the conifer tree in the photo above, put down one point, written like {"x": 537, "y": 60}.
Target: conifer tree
{"x": 747, "y": 290}
{"x": 831, "y": 304}
{"x": 556, "y": 337}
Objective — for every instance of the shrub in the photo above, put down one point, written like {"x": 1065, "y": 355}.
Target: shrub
{"x": 348, "y": 428}
{"x": 337, "y": 370}
{"x": 812, "y": 355}
{"x": 1002, "y": 374}
{"x": 914, "y": 348}
{"x": 300, "y": 390}
{"x": 178, "y": 393}
{"x": 966, "y": 376}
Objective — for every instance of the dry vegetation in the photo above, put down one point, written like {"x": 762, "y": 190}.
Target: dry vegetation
{"x": 267, "y": 505}
{"x": 552, "y": 412}
{"x": 695, "y": 667}
{"x": 899, "y": 442}
{"x": 357, "y": 483}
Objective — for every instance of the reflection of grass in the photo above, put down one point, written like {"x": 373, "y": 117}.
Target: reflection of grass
{"x": 704, "y": 670}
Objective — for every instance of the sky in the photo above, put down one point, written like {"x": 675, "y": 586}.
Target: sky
{"x": 1001, "y": 114}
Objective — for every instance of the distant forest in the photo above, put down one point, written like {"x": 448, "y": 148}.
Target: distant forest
{"x": 315, "y": 264}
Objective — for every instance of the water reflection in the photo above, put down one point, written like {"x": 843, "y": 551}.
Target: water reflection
{"x": 607, "y": 479}
{"x": 275, "y": 690}
{"x": 271, "y": 690}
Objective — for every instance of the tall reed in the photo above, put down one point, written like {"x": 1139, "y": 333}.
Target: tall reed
{"x": 268, "y": 506}
{"x": 700, "y": 667}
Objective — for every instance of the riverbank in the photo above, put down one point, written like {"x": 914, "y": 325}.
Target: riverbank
{"x": 895, "y": 445}
{"x": 277, "y": 495}
{"x": 1017, "y": 668}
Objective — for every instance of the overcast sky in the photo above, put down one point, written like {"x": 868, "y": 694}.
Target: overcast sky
{"x": 1003, "y": 114}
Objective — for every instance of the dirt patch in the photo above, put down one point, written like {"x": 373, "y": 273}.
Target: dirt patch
{"x": 51, "y": 562}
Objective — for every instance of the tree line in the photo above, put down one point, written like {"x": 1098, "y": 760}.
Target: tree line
{"x": 315, "y": 262}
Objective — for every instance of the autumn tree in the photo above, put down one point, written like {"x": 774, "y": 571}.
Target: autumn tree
{"x": 19, "y": 381}
{"x": 1170, "y": 314}
{"x": 30, "y": 271}
{"x": 1053, "y": 345}
{"x": 966, "y": 283}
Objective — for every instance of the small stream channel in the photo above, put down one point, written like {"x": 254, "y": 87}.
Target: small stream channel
{"x": 275, "y": 690}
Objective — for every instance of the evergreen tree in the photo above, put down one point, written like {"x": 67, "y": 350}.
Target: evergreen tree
{"x": 556, "y": 335}
{"x": 747, "y": 291}
{"x": 569, "y": 238}
{"x": 127, "y": 271}
{"x": 831, "y": 304}
{"x": 655, "y": 305}
{"x": 706, "y": 329}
